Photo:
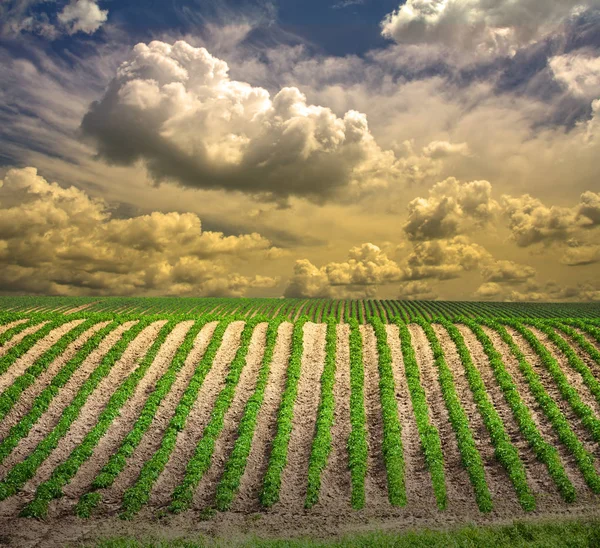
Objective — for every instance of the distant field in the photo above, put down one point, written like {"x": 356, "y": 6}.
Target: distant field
{"x": 314, "y": 309}
{"x": 294, "y": 417}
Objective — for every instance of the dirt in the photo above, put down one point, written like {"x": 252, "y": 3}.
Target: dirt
{"x": 89, "y": 413}
{"x": 198, "y": 418}
{"x": 376, "y": 480}
{"x": 537, "y": 474}
{"x": 206, "y": 490}
{"x": 21, "y": 364}
{"x": 27, "y": 397}
{"x": 123, "y": 424}
{"x": 496, "y": 477}
{"x": 293, "y": 480}
{"x": 13, "y": 341}
{"x": 251, "y": 481}
{"x": 460, "y": 490}
{"x": 544, "y": 426}
{"x": 10, "y": 325}
{"x": 335, "y": 478}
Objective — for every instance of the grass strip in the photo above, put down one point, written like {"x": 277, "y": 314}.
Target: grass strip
{"x": 117, "y": 461}
{"x": 321, "y": 445}
{"x": 428, "y": 433}
{"x": 584, "y": 459}
{"x": 392, "y": 430}
{"x": 269, "y": 494}
{"x": 64, "y": 472}
{"x": 26, "y": 469}
{"x": 22, "y": 347}
{"x": 201, "y": 459}
{"x": 567, "y": 391}
{"x": 469, "y": 454}
{"x": 42, "y": 401}
{"x": 11, "y": 394}
{"x": 138, "y": 494}
{"x": 236, "y": 464}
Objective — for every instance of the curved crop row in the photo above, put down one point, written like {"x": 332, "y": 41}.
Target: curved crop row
{"x": 584, "y": 459}
{"x": 504, "y": 450}
{"x": 321, "y": 446}
{"x": 26, "y": 469}
{"x": 15, "y": 329}
{"x": 64, "y": 472}
{"x": 236, "y": 464}
{"x": 15, "y": 352}
{"x": 42, "y": 401}
{"x": 470, "y": 456}
{"x": 138, "y": 494}
{"x": 392, "y": 429}
{"x": 428, "y": 433}
{"x": 11, "y": 394}
{"x": 200, "y": 462}
{"x": 583, "y": 411}
{"x": 118, "y": 460}
{"x": 278, "y": 459}
{"x": 546, "y": 453}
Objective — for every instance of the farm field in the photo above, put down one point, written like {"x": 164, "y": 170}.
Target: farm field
{"x": 299, "y": 418}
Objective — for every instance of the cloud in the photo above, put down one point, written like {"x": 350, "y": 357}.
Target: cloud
{"x": 507, "y": 272}
{"x": 452, "y": 208}
{"x": 532, "y": 222}
{"x": 60, "y": 241}
{"x": 578, "y": 254}
{"x": 82, "y": 16}
{"x": 479, "y": 26}
{"x": 175, "y": 108}
{"x": 25, "y": 16}
{"x": 416, "y": 291}
{"x": 579, "y": 72}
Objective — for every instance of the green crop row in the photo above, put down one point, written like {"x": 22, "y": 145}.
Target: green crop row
{"x": 505, "y": 451}
{"x": 236, "y": 464}
{"x": 42, "y": 401}
{"x": 470, "y": 456}
{"x": 428, "y": 433}
{"x": 583, "y": 411}
{"x": 15, "y": 329}
{"x": 15, "y": 352}
{"x": 584, "y": 459}
{"x": 11, "y": 394}
{"x": 579, "y": 339}
{"x": 321, "y": 446}
{"x": 117, "y": 461}
{"x": 64, "y": 472}
{"x": 201, "y": 459}
{"x": 546, "y": 453}
{"x": 392, "y": 429}
{"x": 358, "y": 448}
{"x": 26, "y": 469}
{"x": 278, "y": 459}
{"x": 138, "y": 494}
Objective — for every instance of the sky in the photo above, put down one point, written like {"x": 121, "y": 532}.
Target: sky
{"x": 411, "y": 149}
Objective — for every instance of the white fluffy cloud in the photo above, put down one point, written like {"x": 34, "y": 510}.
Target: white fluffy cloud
{"x": 481, "y": 26}
{"x": 175, "y": 108}
{"x": 82, "y": 16}
{"x": 579, "y": 72}
{"x": 451, "y": 209}
{"x": 60, "y": 241}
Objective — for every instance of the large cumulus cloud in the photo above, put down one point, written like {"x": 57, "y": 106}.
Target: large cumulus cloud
{"x": 174, "y": 108}
{"x": 60, "y": 241}
{"x": 482, "y": 26}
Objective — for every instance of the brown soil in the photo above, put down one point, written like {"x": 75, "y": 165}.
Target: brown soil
{"x": 25, "y": 401}
{"x": 111, "y": 441}
{"x": 10, "y": 325}
{"x": 89, "y": 412}
{"x": 537, "y": 474}
{"x": 542, "y": 423}
{"x": 22, "y": 363}
{"x": 376, "y": 480}
{"x": 335, "y": 479}
{"x": 206, "y": 489}
{"x": 588, "y": 337}
{"x": 460, "y": 490}
{"x": 197, "y": 420}
{"x": 496, "y": 476}
{"x": 78, "y": 308}
{"x": 552, "y": 390}
{"x": 293, "y": 480}
{"x": 20, "y": 336}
